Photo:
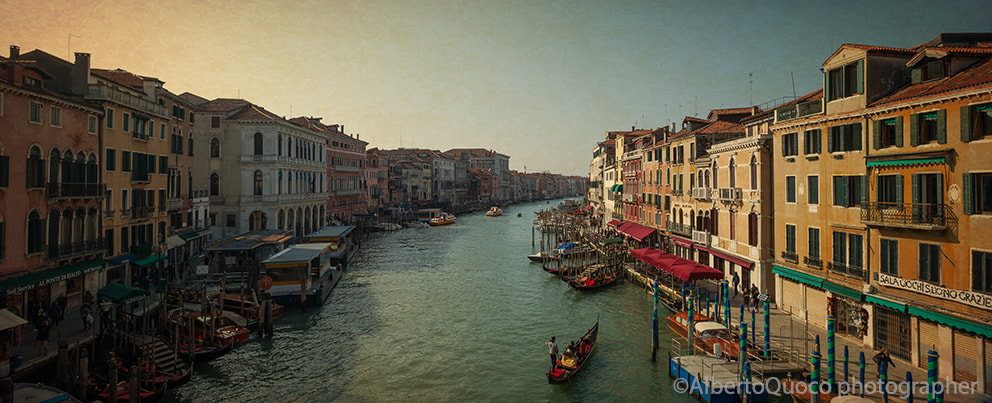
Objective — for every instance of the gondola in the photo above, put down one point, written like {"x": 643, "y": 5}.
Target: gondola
{"x": 203, "y": 353}
{"x": 99, "y": 390}
{"x": 574, "y": 357}
{"x": 595, "y": 281}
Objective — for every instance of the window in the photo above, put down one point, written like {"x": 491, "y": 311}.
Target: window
{"x": 889, "y": 254}
{"x": 813, "y": 189}
{"x": 845, "y": 81}
{"x": 215, "y": 122}
{"x": 109, "y": 118}
{"x": 258, "y": 143}
{"x": 981, "y": 269}
{"x": 849, "y": 191}
{"x": 790, "y": 144}
{"x": 928, "y": 128}
{"x": 790, "y": 189}
{"x": 214, "y": 184}
{"x": 844, "y": 138}
{"x": 928, "y": 198}
{"x": 976, "y": 122}
{"x": 813, "y": 242}
{"x": 848, "y": 252}
{"x": 126, "y": 123}
{"x": 56, "y": 117}
{"x": 125, "y": 161}
{"x": 214, "y": 148}
{"x": 35, "y": 115}
{"x": 230, "y": 220}
{"x": 125, "y": 246}
{"x": 92, "y": 126}
{"x": 3, "y": 238}
{"x": 108, "y": 202}
{"x": 930, "y": 263}
{"x": 36, "y": 233}
{"x": 110, "y": 161}
{"x": 932, "y": 69}
{"x": 811, "y": 142}
{"x": 977, "y": 193}
{"x": 790, "y": 238}
{"x": 888, "y": 133}
{"x": 189, "y": 144}
{"x": 258, "y": 183}
{"x": 4, "y": 171}
{"x": 888, "y": 192}
{"x": 161, "y": 131}
{"x": 163, "y": 164}
{"x": 36, "y": 169}
{"x": 752, "y": 229}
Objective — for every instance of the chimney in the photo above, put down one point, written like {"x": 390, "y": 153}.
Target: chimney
{"x": 80, "y": 76}
{"x": 15, "y": 51}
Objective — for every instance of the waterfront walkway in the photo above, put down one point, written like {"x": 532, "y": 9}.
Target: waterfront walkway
{"x": 787, "y": 339}
{"x": 69, "y": 329}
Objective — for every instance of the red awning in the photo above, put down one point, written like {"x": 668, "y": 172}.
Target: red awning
{"x": 691, "y": 271}
{"x": 635, "y": 230}
{"x": 683, "y": 242}
{"x": 613, "y": 223}
{"x": 729, "y": 258}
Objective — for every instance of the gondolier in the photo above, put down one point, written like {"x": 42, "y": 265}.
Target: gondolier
{"x": 553, "y": 350}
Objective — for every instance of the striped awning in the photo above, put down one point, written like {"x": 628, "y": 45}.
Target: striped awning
{"x": 907, "y": 162}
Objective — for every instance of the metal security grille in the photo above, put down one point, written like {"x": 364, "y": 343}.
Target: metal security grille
{"x": 892, "y": 330}
{"x": 792, "y": 298}
{"x": 928, "y": 338}
{"x": 965, "y": 354}
{"x": 816, "y": 303}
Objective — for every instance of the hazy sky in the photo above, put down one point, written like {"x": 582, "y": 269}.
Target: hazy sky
{"x": 541, "y": 81}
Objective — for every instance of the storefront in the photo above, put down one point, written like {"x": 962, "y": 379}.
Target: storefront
{"x": 27, "y": 293}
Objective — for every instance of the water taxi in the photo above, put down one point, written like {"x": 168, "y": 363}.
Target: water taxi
{"x": 442, "y": 219}
{"x": 494, "y": 212}
{"x": 302, "y": 274}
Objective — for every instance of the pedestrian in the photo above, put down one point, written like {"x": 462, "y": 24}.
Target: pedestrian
{"x": 84, "y": 311}
{"x": 55, "y": 313}
{"x": 754, "y": 294}
{"x": 747, "y": 296}
{"x": 883, "y": 356}
{"x": 553, "y": 350}
{"x": 736, "y": 281}
{"x": 63, "y": 303}
{"x": 88, "y": 298}
{"x": 41, "y": 340}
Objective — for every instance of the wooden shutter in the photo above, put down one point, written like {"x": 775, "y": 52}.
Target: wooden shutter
{"x": 966, "y": 124}
{"x": 899, "y": 131}
{"x": 830, "y": 139}
{"x": 845, "y": 199}
{"x": 968, "y": 183}
{"x": 914, "y": 130}
{"x": 898, "y": 181}
{"x": 826, "y": 87}
{"x": 965, "y": 354}
{"x": 877, "y": 135}
{"x": 942, "y": 126}
{"x": 940, "y": 192}
{"x": 715, "y": 222}
{"x": 928, "y": 338}
{"x": 795, "y": 144}
{"x": 861, "y": 76}
{"x": 879, "y": 190}
{"x": 855, "y": 136}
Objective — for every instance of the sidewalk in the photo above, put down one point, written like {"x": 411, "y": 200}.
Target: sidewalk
{"x": 779, "y": 327}
{"x": 69, "y": 329}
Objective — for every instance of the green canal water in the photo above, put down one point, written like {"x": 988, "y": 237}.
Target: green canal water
{"x": 446, "y": 314}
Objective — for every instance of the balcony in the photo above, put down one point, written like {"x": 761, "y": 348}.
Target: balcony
{"x": 627, "y": 198}
{"x": 681, "y": 229}
{"x": 101, "y": 91}
{"x": 174, "y": 204}
{"x": 701, "y": 237}
{"x": 800, "y": 110}
{"x": 676, "y": 192}
{"x": 76, "y": 190}
{"x": 923, "y": 216}
{"x": 65, "y": 251}
{"x": 142, "y": 212}
{"x": 729, "y": 194}
{"x": 813, "y": 262}
{"x": 701, "y": 193}
{"x": 790, "y": 257}
{"x": 850, "y": 271}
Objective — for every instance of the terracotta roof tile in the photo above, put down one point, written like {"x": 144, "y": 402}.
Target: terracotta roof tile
{"x": 979, "y": 75}
{"x": 122, "y": 77}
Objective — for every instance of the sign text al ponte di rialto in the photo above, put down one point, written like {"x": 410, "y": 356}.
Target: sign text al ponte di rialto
{"x": 963, "y": 296}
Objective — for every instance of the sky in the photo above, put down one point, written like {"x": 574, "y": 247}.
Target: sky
{"x": 540, "y": 81}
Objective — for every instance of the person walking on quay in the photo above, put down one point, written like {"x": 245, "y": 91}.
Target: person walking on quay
{"x": 55, "y": 313}
{"x": 84, "y": 312}
{"x": 754, "y": 295}
{"x": 736, "y": 282}
{"x": 883, "y": 356}
{"x": 553, "y": 350}
{"x": 41, "y": 339}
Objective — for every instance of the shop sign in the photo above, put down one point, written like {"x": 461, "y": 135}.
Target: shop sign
{"x": 962, "y": 296}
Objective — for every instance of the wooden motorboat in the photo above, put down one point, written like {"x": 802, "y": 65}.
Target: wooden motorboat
{"x": 576, "y": 355}
{"x": 494, "y": 212}
{"x": 100, "y": 390}
{"x": 200, "y": 352}
{"x": 707, "y": 336}
{"x": 442, "y": 219}
{"x": 213, "y": 329}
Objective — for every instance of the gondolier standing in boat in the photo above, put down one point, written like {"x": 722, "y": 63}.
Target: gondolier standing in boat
{"x": 553, "y": 350}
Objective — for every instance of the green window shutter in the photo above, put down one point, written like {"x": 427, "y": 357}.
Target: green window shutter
{"x": 914, "y": 130}
{"x": 968, "y": 184}
{"x": 845, "y": 199}
{"x": 966, "y": 123}
{"x": 830, "y": 139}
{"x": 795, "y": 144}
{"x": 861, "y": 76}
{"x": 940, "y": 189}
{"x": 826, "y": 86}
{"x": 916, "y": 188}
{"x": 877, "y": 135}
{"x": 855, "y": 136}
{"x": 898, "y": 188}
{"x": 818, "y": 139}
{"x": 898, "y": 131}
{"x": 917, "y": 75}
{"x": 785, "y": 145}
{"x": 942, "y": 126}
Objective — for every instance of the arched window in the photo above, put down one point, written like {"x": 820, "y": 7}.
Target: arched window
{"x": 258, "y": 143}
{"x": 716, "y": 175}
{"x": 754, "y": 173}
{"x": 65, "y": 230}
{"x": 258, "y": 183}
{"x": 279, "y": 188}
{"x": 92, "y": 170}
{"x": 215, "y": 148}
{"x": 36, "y": 231}
{"x": 56, "y": 162}
{"x": 214, "y": 184}
{"x": 279, "y": 141}
{"x": 78, "y": 174}
{"x": 78, "y": 225}
{"x": 36, "y": 169}
{"x": 733, "y": 173}
{"x": 54, "y": 227}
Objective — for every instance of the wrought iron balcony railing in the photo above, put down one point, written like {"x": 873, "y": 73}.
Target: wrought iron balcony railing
{"x": 813, "y": 262}
{"x": 76, "y": 248}
{"x": 729, "y": 194}
{"x": 69, "y": 190}
{"x": 682, "y": 229}
{"x": 927, "y": 216}
{"x": 701, "y": 193}
{"x": 790, "y": 256}
{"x": 850, "y": 271}
{"x": 701, "y": 237}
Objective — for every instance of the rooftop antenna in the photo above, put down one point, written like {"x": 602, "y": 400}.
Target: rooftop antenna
{"x": 68, "y": 46}
{"x": 695, "y": 108}
{"x": 793, "y": 84}
{"x": 750, "y": 83}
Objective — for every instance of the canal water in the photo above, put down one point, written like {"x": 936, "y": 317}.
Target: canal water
{"x": 442, "y": 314}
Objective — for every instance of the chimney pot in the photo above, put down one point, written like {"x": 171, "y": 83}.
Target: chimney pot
{"x": 15, "y": 51}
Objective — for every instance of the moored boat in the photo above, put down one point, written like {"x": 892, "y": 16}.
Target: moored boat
{"x": 200, "y": 352}
{"x": 576, "y": 355}
{"x": 595, "y": 277}
{"x": 709, "y": 336}
{"x": 213, "y": 329}
{"x": 541, "y": 256}
{"x": 343, "y": 240}
{"x": 302, "y": 274}
{"x": 442, "y": 219}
